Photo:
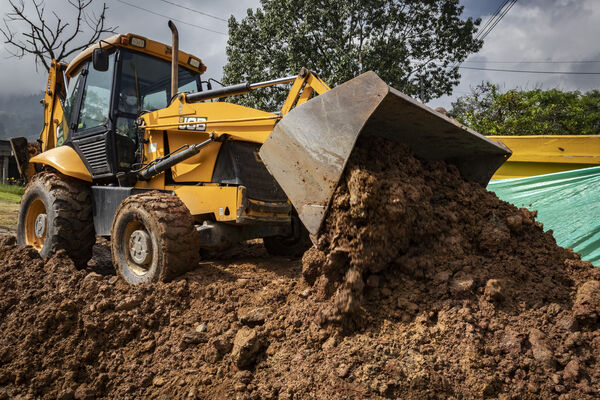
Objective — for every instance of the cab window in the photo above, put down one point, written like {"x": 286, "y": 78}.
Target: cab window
{"x": 62, "y": 131}
{"x": 95, "y": 104}
{"x": 146, "y": 83}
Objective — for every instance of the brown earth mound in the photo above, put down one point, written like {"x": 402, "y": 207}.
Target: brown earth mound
{"x": 423, "y": 286}
{"x": 484, "y": 303}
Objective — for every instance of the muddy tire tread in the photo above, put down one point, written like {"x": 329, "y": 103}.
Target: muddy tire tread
{"x": 72, "y": 204}
{"x": 176, "y": 233}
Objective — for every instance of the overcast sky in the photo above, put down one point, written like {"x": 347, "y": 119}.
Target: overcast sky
{"x": 533, "y": 30}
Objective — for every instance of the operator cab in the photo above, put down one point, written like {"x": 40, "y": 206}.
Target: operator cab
{"x": 102, "y": 104}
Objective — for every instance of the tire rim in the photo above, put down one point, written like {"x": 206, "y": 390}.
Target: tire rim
{"x": 36, "y": 224}
{"x": 137, "y": 244}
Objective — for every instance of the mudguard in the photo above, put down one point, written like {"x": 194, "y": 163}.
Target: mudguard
{"x": 65, "y": 160}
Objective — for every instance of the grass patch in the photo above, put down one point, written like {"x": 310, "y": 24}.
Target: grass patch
{"x": 13, "y": 189}
{"x": 10, "y": 197}
{"x": 9, "y": 212}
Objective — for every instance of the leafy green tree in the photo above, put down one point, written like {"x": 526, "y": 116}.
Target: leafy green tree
{"x": 414, "y": 46}
{"x": 528, "y": 112}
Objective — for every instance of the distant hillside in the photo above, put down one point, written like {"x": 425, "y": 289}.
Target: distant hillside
{"x": 21, "y": 115}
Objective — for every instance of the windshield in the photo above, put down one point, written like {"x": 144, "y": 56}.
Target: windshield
{"x": 146, "y": 83}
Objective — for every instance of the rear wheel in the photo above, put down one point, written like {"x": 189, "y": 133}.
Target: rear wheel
{"x": 289, "y": 246}
{"x": 56, "y": 213}
{"x": 153, "y": 238}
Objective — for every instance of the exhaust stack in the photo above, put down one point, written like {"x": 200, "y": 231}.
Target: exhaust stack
{"x": 174, "y": 59}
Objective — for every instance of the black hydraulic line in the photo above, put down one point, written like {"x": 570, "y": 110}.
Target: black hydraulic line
{"x": 240, "y": 88}
{"x": 174, "y": 159}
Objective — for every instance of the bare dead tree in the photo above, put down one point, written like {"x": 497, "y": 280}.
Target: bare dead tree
{"x": 51, "y": 39}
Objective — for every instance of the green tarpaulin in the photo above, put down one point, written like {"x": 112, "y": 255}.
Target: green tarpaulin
{"x": 567, "y": 202}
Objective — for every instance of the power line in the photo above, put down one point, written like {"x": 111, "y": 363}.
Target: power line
{"x": 196, "y": 11}
{"x": 532, "y": 72}
{"x": 498, "y": 19}
{"x": 171, "y": 18}
{"x": 487, "y": 23}
{"x": 500, "y": 12}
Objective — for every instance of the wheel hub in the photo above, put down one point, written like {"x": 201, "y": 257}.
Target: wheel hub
{"x": 40, "y": 225}
{"x": 140, "y": 247}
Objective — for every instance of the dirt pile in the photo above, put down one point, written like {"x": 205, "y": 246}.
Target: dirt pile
{"x": 423, "y": 286}
{"x": 484, "y": 302}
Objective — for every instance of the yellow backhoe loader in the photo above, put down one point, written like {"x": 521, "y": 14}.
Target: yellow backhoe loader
{"x": 136, "y": 148}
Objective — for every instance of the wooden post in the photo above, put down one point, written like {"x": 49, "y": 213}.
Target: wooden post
{"x": 5, "y": 169}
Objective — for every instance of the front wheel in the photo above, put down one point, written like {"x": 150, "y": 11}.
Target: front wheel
{"x": 153, "y": 238}
{"x": 55, "y": 214}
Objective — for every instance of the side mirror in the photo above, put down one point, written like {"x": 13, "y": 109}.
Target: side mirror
{"x": 100, "y": 60}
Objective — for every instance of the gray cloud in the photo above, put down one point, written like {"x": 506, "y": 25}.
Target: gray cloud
{"x": 539, "y": 30}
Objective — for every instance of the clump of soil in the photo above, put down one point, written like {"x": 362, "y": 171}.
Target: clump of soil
{"x": 422, "y": 286}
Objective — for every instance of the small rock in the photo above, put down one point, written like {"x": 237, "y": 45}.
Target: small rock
{"x": 343, "y": 370}
{"x": 568, "y": 322}
{"x": 247, "y": 345}
{"x": 532, "y": 387}
{"x": 494, "y": 290}
{"x": 193, "y": 393}
{"x": 92, "y": 276}
{"x": 305, "y": 293}
{"x": 512, "y": 342}
{"x": 541, "y": 351}
{"x": 385, "y": 292}
{"x": 254, "y": 317}
{"x": 462, "y": 283}
{"x": 194, "y": 338}
{"x": 571, "y": 371}
{"x": 201, "y": 328}
{"x": 129, "y": 303}
{"x": 223, "y": 345}
{"x": 573, "y": 340}
{"x": 559, "y": 388}
{"x": 84, "y": 392}
{"x": 587, "y": 302}
{"x": 442, "y": 276}
{"x": 147, "y": 346}
{"x": 159, "y": 381}
{"x": 553, "y": 309}
{"x": 515, "y": 223}
{"x": 373, "y": 281}
{"x": 112, "y": 280}
{"x": 244, "y": 377}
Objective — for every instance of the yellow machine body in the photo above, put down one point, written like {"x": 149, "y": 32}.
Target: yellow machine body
{"x": 547, "y": 154}
{"x": 164, "y": 129}
{"x": 238, "y": 123}
{"x": 65, "y": 160}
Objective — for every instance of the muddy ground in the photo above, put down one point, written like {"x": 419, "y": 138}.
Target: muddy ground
{"x": 423, "y": 287}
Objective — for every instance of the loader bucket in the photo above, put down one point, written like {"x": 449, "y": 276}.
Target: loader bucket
{"x": 309, "y": 148}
